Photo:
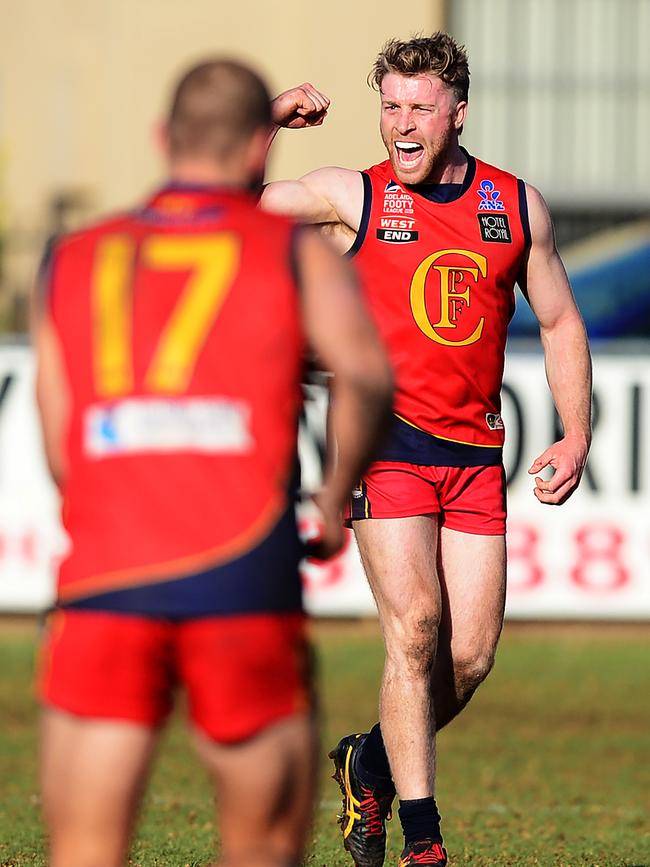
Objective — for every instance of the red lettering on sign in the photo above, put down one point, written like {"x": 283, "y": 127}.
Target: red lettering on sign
{"x": 524, "y": 570}
{"x": 28, "y": 547}
{"x": 599, "y": 567}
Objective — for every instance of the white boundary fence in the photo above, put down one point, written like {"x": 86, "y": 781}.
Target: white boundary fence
{"x": 587, "y": 559}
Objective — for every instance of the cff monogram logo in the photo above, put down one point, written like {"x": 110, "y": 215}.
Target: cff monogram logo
{"x": 454, "y": 285}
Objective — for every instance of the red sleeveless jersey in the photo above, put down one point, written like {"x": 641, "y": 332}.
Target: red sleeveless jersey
{"x": 439, "y": 279}
{"x": 183, "y": 345}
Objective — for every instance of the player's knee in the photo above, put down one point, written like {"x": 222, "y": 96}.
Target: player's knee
{"x": 415, "y": 642}
{"x": 470, "y": 670}
{"x": 471, "y": 667}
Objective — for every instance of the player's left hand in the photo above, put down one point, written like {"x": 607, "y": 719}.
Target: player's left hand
{"x": 330, "y": 537}
{"x": 299, "y": 107}
{"x": 568, "y": 457}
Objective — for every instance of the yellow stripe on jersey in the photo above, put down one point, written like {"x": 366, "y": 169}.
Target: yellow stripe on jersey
{"x": 448, "y": 439}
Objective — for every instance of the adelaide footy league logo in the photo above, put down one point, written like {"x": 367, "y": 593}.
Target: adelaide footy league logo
{"x": 396, "y": 201}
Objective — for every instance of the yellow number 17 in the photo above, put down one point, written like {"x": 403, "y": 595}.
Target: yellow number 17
{"x": 212, "y": 262}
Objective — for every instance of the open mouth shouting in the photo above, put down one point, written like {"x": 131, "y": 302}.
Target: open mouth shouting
{"x": 409, "y": 154}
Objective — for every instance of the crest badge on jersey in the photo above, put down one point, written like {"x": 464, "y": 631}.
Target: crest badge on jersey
{"x": 490, "y": 197}
{"x": 392, "y": 187}
{"x": 494, "y": 420}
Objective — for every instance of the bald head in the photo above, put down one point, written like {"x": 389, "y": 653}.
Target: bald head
{"x": 216, "y": 108}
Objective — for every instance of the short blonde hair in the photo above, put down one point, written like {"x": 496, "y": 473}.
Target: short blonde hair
{"x": 438, "y": 54}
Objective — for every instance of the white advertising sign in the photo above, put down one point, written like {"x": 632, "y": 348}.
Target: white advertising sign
{"x": 589, "y": 558}
{"x": 30, "y": 537}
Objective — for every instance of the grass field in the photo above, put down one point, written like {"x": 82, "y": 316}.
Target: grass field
{"x": 550, "y": 764}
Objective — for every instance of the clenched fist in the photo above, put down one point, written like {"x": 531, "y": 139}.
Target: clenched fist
{"x": 299, "y": 107}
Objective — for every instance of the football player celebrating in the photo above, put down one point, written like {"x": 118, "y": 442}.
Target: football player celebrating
{"x": 440, "y": 239}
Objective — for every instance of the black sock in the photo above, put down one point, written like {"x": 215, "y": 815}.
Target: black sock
{"x": 420, "y": 820}
{"x": 372, "y": 758}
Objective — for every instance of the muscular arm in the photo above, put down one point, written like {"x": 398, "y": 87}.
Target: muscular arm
{"x": 52, "y": 397}
{"x": 330, "y": 198}
{"x": 566, "y": 355}
{"x": 340, "y": 332}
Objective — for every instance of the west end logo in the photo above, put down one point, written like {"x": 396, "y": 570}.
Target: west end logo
{"x": 454, "y": 284}
{"x": 489, "y": 197}
{"x": 396, "y": 230}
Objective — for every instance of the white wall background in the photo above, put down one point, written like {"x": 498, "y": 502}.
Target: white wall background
{"x": 587, "y": 559}
{"x": 560, "y": 94}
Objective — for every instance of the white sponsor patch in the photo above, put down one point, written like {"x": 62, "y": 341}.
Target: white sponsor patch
{"x": 208, "y": 425}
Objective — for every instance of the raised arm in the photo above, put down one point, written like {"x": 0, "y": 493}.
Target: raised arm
{"x": 566, "y": 356}
{"x": 341, "y": 334}
{"x": 328, "y": 196}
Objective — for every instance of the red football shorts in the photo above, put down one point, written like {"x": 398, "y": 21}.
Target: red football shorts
{"x": 467, "y": 499}
{"x": 241, "y": 673}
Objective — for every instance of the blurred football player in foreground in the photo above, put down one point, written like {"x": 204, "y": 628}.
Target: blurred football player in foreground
{"x": 170, "y": 344}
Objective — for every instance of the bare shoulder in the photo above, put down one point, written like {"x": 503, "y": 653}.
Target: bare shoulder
{"x": 343, "y": 188}
{"x": 330, "y": 198}
{"x": 330, "y": 195}
{"x": 541, "y": 224}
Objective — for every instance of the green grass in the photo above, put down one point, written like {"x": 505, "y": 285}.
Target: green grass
{"x": 549, "y": 765}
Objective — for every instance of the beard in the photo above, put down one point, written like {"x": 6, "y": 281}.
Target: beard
{"x": 431, "y": 165}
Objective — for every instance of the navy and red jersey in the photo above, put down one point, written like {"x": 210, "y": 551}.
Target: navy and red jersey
{"x": 183, "y": 347}
{"x": 439, "y": 277}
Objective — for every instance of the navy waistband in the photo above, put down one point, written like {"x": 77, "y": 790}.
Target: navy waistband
{"x": 265, "y": 579}
{"x": 410, "y": 445}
